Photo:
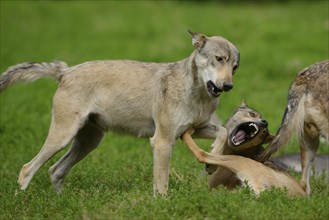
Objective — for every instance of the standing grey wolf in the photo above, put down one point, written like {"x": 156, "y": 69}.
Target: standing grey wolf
{"x": 157, "y": 100}
{"x": 307, "y": 115}
{"x": 231, "y": 162}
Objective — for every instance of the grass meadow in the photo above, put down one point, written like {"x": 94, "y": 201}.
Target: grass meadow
{"x": 275, "y": 39}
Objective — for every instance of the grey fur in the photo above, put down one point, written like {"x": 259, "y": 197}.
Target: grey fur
{"x": 306, "y": 114}
{"x": 153, "y": 100}
{"x": 30, "y": 71}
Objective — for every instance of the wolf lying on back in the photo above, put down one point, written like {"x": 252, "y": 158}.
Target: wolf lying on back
{"x": 307, "y": 115}
{"x": 231, "y": 163}
{"x": 247, "y": 132}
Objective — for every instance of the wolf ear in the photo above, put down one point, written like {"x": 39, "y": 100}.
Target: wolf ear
{"x": 243, "y": 104}
{"x": 198, "y": 40}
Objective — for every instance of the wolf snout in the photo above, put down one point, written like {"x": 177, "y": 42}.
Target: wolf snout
{"x": 264, "y": 123}
{"x": 227, "y": 86}
{"x": 213, "y": 89}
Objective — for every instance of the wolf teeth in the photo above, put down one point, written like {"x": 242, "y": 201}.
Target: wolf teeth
{"x": 256, "y": 129}
{"x": 237, "y": 143}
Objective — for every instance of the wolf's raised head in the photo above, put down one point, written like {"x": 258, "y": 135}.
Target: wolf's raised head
{"x": 216, "y": 60}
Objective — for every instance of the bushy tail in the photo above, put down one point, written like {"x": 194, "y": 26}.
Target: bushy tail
{"x": 26, "y": 72}
{"x": 292, "y": 121}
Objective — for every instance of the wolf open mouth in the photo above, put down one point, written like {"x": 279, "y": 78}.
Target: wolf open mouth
{"x": 244, "y": 132}
{"x": 213, "y": 89}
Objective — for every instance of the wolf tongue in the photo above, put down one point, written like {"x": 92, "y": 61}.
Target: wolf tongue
{"x": 239, "y": 136}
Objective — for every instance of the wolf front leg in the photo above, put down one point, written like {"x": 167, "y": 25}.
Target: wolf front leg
{"x": 162, "y": 149}
{"x": 217, "y": 148}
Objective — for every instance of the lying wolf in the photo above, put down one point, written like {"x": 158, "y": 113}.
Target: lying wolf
{"x": 231, "y": 161}
{"x": 307, "y": 115}
{"x": 248, "y": 131}
{"x": 157, "y": 100}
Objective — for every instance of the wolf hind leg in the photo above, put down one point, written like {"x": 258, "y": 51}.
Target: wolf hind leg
{"x": 309, "y": 144}
{"x": 87, "y": 139}
{"x": 63, "y": 127}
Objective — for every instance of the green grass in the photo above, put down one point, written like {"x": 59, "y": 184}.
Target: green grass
{"x": 276, "y": 40}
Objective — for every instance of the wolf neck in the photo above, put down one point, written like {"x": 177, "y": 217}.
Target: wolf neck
{"x": 197, "y": 86}
{"x": 181, "y": 79}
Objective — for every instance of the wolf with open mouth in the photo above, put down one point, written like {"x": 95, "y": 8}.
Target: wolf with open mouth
{"x": 247, "y": 131}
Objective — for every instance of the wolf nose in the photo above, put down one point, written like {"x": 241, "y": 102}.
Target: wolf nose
{"x": 264, "y": 123}
{"x": 227, "y": 86}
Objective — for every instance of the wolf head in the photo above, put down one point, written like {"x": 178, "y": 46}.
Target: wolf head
{"x": 216, "y": 60}
{"x": 247, "y": 129}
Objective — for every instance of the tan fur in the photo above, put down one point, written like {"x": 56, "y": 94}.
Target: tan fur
{"x": 256, "y": 175}
{"x": 307, "y": 115}
{"x": 157, "y": 100}
{"x": 224, "y": 146}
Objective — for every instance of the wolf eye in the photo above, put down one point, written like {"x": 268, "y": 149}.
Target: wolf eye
{"x": 219, "y": 59}
{"x": 252, "y": 114}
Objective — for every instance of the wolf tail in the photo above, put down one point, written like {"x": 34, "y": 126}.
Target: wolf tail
{"x": 27, "y": 72}
{"x": 292, "y": 121}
